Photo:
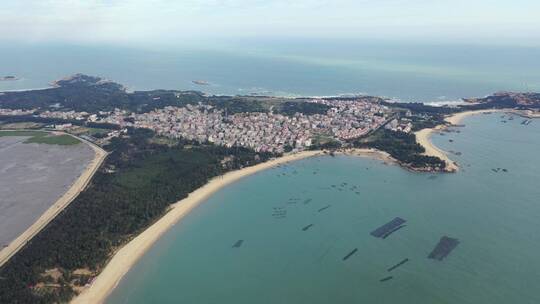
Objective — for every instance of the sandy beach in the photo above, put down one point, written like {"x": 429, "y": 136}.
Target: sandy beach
{"x": 423, "y": 136}
{"x": 128, "y": 255}
{"x": 457, "y": 118}
{"x": 370, "y": 153}
{"x": 78, "y": 186}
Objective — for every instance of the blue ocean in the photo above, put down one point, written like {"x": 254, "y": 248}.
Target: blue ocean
{"x": 491, "y": 206}
{"x": 398, "y": 70}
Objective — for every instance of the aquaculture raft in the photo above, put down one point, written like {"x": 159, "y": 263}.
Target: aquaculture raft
{"x": 443, "y": 248}
{"x": 385, "y": 230}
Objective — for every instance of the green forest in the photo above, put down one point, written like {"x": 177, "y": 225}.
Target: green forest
{"x": 133, "y": 188}
{"x": 403, "y": 147}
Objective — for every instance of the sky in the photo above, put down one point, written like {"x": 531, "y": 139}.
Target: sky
{"x": 170, "y": 22}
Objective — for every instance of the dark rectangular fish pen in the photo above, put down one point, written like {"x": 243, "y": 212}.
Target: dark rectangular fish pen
{"x": 388, "y": 228}
{"x": 443, "y": 248}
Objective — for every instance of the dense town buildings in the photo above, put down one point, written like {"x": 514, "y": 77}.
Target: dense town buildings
{"x": 262, "y": 131}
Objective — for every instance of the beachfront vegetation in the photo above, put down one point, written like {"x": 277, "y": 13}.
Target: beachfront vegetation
{"x": 403, "y": 147}
{"x": 133, "y": 188}
{"x": 325, "y": 142}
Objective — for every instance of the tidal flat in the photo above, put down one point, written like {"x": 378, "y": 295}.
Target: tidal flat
{"x": 33, "y": 177}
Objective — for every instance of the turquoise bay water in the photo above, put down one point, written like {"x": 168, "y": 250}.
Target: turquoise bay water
{"x": 404, "y": 70}
{"x": 494, "y": 215}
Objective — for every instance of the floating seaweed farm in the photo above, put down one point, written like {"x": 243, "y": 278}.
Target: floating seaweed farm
{"x": 350, "y": 254}
{"x": 238, "y": 244}
{"x": 398, "y": 264}
{"x": 324, "y": 208}
{"x": 293, "y": 201}
{"x": 279, "y": 213}
{"x": 385, "y": 230}
{"x": 443, "y": 248}
{"x": 307, "y": 227}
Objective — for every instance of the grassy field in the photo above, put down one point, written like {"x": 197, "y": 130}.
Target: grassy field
{"x": 88, "y": 131}
{"x": 40, "y": 137}
{"x": 21, "y": 126}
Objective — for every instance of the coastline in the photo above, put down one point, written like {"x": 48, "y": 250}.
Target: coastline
{"x": 64, "y": 201}
{"x": 370, "y": 153}
{"x": 423, "y": 137}
{"x": 457, "y": 118}
{"x": 131, "y": 252}
{"x": 128, "y": 255}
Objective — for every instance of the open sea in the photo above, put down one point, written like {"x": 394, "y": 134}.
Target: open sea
{"x": 406, "y": 71}
{"x": 493, "y": 214}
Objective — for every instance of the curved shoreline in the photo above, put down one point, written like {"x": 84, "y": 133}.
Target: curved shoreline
{"x": 130, "y": 253}
{"x": 64, "y": 201}
{"x": 423, "y": 137}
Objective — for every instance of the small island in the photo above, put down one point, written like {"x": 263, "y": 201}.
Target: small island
{"x": 8, "y": 78}
{"x": 201, "y": 82}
